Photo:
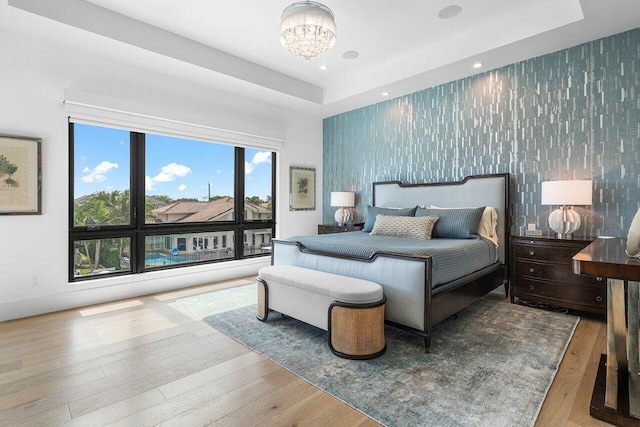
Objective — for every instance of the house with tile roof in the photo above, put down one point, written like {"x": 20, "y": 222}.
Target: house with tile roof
{"x": 208, "y": 245}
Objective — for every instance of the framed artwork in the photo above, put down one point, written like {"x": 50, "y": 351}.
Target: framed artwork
{"x": 20, "y": 176}
{"x": 302, "y": 189}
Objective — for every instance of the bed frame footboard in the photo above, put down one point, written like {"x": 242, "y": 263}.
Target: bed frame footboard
{"x": 438, "y": 304}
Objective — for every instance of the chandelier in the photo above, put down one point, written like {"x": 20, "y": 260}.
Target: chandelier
{"x": 307, "y": 29}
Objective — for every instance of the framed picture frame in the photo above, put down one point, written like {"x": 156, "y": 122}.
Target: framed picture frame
{"x": 302, "y": 189}
{"x": 20, "y": 175}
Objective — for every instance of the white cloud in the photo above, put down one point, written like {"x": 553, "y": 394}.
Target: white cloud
{"x": 262, "y": 157}
{"x": 172, "y": 171}
{"x": 99, "y": 173}
{"x": 168, "y": 173}
{"x": 248, "y": 167}
{"x": 149, "y": 184}
{"x": 259, "y": 158}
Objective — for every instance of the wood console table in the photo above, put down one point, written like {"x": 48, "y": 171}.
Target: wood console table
{"x": 616, "y": 393}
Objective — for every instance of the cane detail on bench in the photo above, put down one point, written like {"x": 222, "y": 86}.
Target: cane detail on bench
{"x": 350, "y": 309}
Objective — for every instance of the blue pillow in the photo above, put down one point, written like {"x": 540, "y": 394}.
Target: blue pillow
{"x": 372, "y": 211}
{"x": 454, "y": 223}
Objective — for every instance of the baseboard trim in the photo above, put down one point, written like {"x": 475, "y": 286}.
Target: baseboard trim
{"x": 88, "y": 293}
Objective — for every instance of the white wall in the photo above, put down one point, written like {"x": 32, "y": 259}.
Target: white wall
{"x": 33, "y": 78}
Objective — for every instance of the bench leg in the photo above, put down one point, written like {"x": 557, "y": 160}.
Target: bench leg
{"x": 263, "y": 300}
{"x": 356, "y": 331}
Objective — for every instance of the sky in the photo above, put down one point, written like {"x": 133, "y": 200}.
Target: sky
{"x": 177, "y": 168}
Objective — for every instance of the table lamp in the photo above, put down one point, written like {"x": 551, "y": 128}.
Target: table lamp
{"x": 345, "y": 200}
{"x": 564, "y": 220}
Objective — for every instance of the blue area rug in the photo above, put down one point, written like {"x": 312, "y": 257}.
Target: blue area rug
{"x": 491, "y": 366}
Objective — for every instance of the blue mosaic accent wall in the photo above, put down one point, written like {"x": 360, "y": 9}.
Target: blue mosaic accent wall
{"x": 573, "y": 114}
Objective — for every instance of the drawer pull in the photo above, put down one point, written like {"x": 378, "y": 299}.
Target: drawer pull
{"x": 531, "y": 270}
{"x": 532, "y": 253}
{"x": 599, "y": 298}
{"x": 532, "y": 288}
{"x": 599, "y": 279}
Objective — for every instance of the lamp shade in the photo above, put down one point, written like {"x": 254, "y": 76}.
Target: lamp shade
{"x": 344, "y": 199}
{"x": 567, "y": 193}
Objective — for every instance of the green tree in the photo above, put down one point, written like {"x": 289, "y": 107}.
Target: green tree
{"x": 149, "y": 216}
{"x": 117, "y": 203}
{"x": 103, "y": 208}
{"x": 255, "y": 200}
{"x": 165, "y": 199}
{"x": 91, "y": 212}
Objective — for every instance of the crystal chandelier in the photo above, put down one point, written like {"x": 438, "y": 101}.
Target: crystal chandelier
{"x": 307, "y": 29}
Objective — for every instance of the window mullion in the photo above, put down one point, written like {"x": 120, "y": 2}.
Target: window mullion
{"x": 239, "y": 202}
{"x": 273, "y": 193}
{"x": 138, "y": 198}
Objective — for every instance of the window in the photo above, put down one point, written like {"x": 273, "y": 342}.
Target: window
{"x": 101, "y": 190}
{"x": 258, "y": 182}
{"x": 188, "y": 181}
{"x": 260, "y": 241}
{"x": 189, "y": 191}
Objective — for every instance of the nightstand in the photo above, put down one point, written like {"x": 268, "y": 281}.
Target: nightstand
{"x": 541, "y": 271}
{"x": 328, "y": 229}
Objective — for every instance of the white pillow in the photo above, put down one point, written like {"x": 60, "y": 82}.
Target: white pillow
{"x": 404, "y": 226}
{"x": 488, "y": 223}
{"x": 633, "y": 238}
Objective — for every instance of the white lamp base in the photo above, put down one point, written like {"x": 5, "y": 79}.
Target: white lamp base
{"x": 564, "y": 221}
{"x": 343, "y": 215}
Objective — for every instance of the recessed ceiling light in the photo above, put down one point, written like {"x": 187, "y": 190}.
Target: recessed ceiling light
{"x": 350, "y": 54}
{"x": 385, "y": 94}
{"x": 450, "y": 12}
{"x": 478, "y": 65}
{"x": 323, "y": 67}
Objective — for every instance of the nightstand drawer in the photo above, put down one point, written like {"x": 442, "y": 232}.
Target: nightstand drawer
{"x": 579, "y": 297}
{"x": 329, "y": 229}
{"x": 556, "y": 254}
{"x": 551, "y": 272}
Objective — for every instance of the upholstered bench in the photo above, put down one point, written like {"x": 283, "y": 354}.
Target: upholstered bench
{"x": 350, "y": 309}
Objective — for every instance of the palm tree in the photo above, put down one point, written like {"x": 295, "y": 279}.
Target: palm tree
{"x": 117, "y": 203}
{"x": 91, "y": 212}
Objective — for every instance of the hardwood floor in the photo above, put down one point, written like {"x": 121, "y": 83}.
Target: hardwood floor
{"x": 146, "y": 361}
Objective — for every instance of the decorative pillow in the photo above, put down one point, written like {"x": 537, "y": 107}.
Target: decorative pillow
{"x": 633, "y": 238}
{"x": 454, "y": 223}
{"x": 488, "y": 223}
{"x": 373, "y": 211}
{"x": 404, "y": 226}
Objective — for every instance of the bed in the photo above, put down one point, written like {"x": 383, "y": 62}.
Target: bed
{"x": 424, "y": 281}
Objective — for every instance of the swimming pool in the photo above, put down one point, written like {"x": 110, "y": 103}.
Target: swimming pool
{"x": 152, "y": 259}
{"x": 156, "y": 259}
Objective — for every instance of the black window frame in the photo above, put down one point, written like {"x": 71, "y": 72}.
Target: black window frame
{"x": 138, "y": 229}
